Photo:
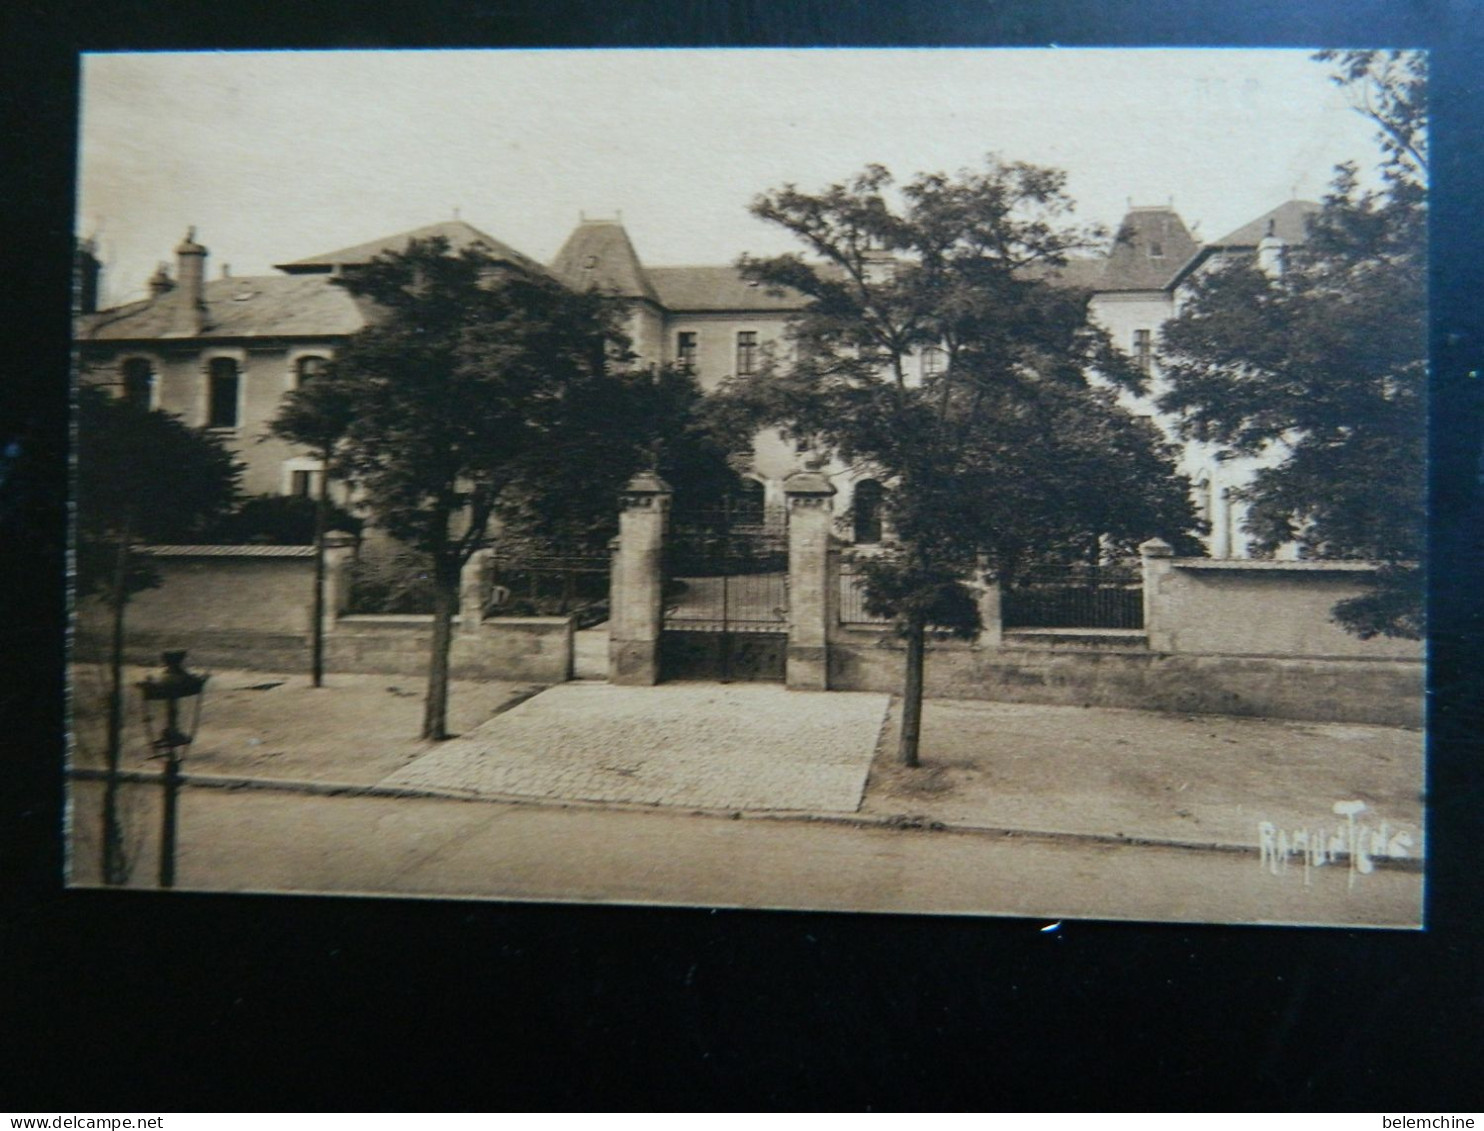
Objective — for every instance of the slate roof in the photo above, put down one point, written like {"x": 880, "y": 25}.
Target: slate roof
{"x": 599, "y": 255}
{"x": 458, "y": 234}
{"x": 718, "y": 288}
{"x": 1082, "y": 273}
{"x": 257, "y": 306}
{"x": 1290, "y": 224}
{"x": 1130, "y": 266}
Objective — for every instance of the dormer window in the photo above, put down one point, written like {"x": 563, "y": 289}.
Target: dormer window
{"x": 1156, "y": 249}
{"x": 590, "y": 263}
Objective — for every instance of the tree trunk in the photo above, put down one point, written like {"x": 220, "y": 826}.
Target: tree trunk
{"x": 115, "y": 871}
{"x": 317, "y": 628}
{"x": 912, "y": 692}
{"x": 445, "y": 602}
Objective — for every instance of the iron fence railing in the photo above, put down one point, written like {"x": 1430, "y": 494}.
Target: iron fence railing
{"x": 549, "y": 585}
{"x": 1080, "y": 596}
{"x": 853, "y": 597}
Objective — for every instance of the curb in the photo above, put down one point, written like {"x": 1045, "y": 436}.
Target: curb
{"x": 898, "y": 822}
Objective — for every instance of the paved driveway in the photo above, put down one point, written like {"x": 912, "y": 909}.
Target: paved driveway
{"x": 695, "y": 745}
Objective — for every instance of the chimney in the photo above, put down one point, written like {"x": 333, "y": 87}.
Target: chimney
{"x": 160, "y": 283}
{"x": 190, "y": 297}
{"x": 1270, "y": 251}
{"x": 85, "y": 283}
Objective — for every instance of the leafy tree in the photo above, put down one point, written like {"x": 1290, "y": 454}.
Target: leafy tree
{"x": 469, "y": 377}
{"x": 1322, "y": 365}
{"x": 278, "y": 520}
{"x": 142, "y": 476}
{"x": 561, "y": 497}
{"x": 318, "y": 415}
{"x": 988, "y": 458}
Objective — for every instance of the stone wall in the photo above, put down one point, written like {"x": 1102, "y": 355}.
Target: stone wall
{"x": 534, "y": 649}
{"x": 1258, "y": 608}
{"x": 250, "y": 607}
{"x": 1378, "y": 692}
{"x": 1221, "y": 637}
{"x": 222, "y": 588}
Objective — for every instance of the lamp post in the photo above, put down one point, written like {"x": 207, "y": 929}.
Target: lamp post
{"x": 175, "y": 685}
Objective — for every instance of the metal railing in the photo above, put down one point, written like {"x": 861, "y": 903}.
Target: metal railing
{"x": 853, "y": 597}
{"x": 1079, "y": 596}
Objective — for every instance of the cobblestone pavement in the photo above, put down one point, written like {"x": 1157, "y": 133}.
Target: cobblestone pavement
{"x": 695, "y": 745}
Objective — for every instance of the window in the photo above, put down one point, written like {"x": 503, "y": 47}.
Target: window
{"x": 746, "y": 352}
{"x": 223, "y": 384}
{"x": 934, "y": 361}
{"x": 867, "y": 511}
{"x": 1143, "y": 349}
{"x": 1156, "y": 249}
{"x": 138, "y": 378}
{"x": 306, "y": 369}
{"x": 301, "y": 484}
{"x": 685, "y": 348}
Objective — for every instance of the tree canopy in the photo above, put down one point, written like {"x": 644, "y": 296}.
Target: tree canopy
{"x": 478, "y": 393}
{"x": 1322, "y": 364}
{"x": 142, "y": 476}
{"x": 1012, "y": 442}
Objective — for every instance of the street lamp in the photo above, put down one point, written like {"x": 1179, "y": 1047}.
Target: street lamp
{"x": 175, "y": 685}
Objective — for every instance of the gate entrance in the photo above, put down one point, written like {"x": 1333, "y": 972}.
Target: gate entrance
{"x": 726, "y": 595}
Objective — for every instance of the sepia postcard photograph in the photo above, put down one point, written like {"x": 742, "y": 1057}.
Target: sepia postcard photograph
{"x": 974, "y": 482}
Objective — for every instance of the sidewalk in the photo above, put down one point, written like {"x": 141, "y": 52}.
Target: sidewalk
{"x": 1118, "y": 775}
{"x": 1189, "y": 779}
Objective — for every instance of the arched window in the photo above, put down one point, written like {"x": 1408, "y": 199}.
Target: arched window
{"x": 138, "y": 379}
{"x": 223, "y": 384}
{"x": 866, "y": 511}
{"x": 308, "y": 368}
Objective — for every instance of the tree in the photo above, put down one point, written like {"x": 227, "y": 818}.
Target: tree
{"x": 562, "y": 496}
{"x": 318, "y": 416}
{"x": 469, "y": 376}
{"x": 981, "y": 456}
{"x": 1322, "y": 365}
{"x": 142, "y": 476}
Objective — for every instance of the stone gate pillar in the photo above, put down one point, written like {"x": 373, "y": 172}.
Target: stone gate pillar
{"x": 474, "y": 588}
{"x": 811, "y": 588}
{"x": 340, "y": 551}
{"x": 1155, "y": 556}
{"x": 636, "y": 601}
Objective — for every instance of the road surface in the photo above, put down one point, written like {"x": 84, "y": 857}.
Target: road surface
{"x": 278, "y": 841}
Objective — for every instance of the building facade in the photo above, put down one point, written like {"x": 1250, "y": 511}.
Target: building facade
{"x": 222, "y": 353}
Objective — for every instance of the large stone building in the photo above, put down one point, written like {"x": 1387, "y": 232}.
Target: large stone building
{"x": 221, "y": 353}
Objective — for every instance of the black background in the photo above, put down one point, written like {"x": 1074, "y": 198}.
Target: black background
{"x": 135, "y": 1001}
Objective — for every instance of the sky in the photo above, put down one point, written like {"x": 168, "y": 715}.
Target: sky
{"x": 276, "y": 156}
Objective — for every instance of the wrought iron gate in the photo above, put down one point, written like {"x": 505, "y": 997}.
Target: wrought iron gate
{"x": 726, "y": 596}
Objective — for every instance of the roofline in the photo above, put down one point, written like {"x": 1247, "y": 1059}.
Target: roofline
{"x": 208, "y": 338}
